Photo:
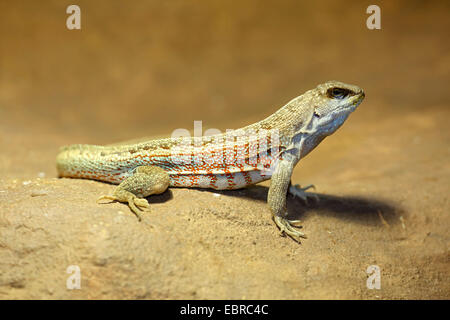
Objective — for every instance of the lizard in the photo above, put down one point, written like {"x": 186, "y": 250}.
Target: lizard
{"x": 268, "y": 149}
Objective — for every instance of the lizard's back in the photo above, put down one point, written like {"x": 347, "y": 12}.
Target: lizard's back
{"x": 230, "y": 160}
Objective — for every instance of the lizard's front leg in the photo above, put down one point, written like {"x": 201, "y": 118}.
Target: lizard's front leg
{"x": 145, "y": 181}
{"x": 297, "y": 191}
{"x": 279, "y": 185}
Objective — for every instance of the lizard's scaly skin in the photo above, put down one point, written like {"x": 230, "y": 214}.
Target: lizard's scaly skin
{"x": 268, "y": 149}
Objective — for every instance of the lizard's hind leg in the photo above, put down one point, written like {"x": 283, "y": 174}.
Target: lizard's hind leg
{"x": 145, "y": 181}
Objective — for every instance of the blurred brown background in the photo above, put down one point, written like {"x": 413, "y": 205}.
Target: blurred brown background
{"x": 151, "y": 66}
{"x": 145, "y": 68}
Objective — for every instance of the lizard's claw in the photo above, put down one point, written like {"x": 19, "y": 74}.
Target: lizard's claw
{"x": 301, "y": 193}
{"x": 287, "y": 227}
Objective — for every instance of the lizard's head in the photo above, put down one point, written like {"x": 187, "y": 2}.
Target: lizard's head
{"x": 334, "y": 101}
{"x": 335, "y": 96}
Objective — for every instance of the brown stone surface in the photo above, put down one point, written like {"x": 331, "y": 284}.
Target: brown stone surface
{"x": 147, "y": 69}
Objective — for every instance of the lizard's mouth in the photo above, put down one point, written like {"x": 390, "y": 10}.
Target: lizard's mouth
{"x": 344, "y": 111}
{"x": 355, "y": 101}
{"x": 359, "y": 98}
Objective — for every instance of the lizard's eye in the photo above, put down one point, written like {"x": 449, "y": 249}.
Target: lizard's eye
{"x": 338, "y": 93}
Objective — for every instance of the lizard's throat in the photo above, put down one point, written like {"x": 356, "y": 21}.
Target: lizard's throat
{"x": 320, "y": 129}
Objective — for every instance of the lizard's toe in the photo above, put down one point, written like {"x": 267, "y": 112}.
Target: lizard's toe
{"x": 133, "y": 204}
{"x": 295, "y": 223}
{"x": 141, "y": 203}
{"x": 107, "y": 197}
{"x": 287, "y": 229}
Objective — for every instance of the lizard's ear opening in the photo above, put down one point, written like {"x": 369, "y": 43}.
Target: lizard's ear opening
{"x": 338, "y": 93}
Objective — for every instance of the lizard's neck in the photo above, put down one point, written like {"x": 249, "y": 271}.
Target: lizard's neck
{"x": 292, "y": 117}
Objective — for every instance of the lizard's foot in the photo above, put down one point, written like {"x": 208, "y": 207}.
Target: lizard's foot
{"x": 137, "y": 205}
{"x": 301, "y": 193}
{"x": 287, "y": 227}
{"x": 145, "y": 181}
